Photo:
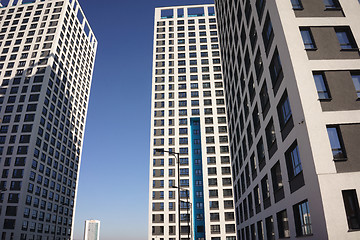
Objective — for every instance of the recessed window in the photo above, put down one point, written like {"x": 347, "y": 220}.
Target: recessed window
{"x": 345, "y": 38}
{"x": 302, "y": 219}
{"x": 351, "y": 203}
{"x": 296, "y": 4}
{"x": 356, "y": 79}
{"x": 283, "y": 224}
{"x": 307, "y": 38}
{"x": 321, "y": 86}
{"x": 331, "y": 4}
{"x": 276, "y": 70}
{"x": 293, "y": 161}
{"x": 284, "y": 110}
{"x": 267, "y": 33}
{"x": 270, "y": 234}
{"x": 336, "y": 143}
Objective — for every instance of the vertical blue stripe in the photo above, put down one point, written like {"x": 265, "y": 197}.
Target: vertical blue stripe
{"x": 197, "y": 180}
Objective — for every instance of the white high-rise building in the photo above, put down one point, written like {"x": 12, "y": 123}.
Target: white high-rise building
{"x": 189, "y": 123}
{"x": 92, "y": 230}
{"x": 292, "y": 82}
{"x": 47, "y": 53}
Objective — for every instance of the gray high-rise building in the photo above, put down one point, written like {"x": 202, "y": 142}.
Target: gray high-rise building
{"x": 292, "y": 81}
{"x": 47, "y": 53}
{"x": 189, "y": 121}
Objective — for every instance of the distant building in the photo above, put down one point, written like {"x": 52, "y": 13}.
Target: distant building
{"x": 92, "y": 230}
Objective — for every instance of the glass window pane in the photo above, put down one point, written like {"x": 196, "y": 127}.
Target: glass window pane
{"x": 335, "y": 143}
{"x": 321, "y": 87}
{"x": 356, "y": 80}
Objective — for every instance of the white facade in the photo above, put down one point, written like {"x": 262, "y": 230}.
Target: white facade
{"x": 47, "y": 54}
{"x": 189, "y": 118}
{"x": 92, "y": 230}
{"x": 325, "y": 176}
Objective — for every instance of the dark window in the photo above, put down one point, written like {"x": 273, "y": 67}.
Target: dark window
{"x": 276, "y": 177}
{"x": 264, "y": 99}
{"x": 275, "y": 69}
{"x": 283, "y": 224}
{"x": 267, "y": 33}
{"x": 345, "y": 38}
{"x": 260, "y": 229}
{"x": 336, "y": 143}
{"x": 321, "y": 86}
{"x": 259, "y": 66}
{"x": 265, "y": 189}
{"x": 253, "y": 35}
{"x": 260, "y": 5}
{"x": 307, "y": 38}
{"x": 352, "y": 208}
{"x": 284, "y": 110}
{"x": 270, "y": 234}
{"x": 293, "y": 161}
{"x": 270, "y": 134}
{"x": 302, "y": 219}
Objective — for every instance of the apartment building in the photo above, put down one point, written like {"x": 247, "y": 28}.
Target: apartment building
{"x": 92, "y": 230}
{"x": 189, "y": 130}
{"x": 47, "y": 53}
{"x": 292, "y": 84}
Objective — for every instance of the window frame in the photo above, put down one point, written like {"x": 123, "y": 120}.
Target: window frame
{"x": 339, "y": 142}
{"x": 352, "y": 210}
{"x": 294, "y": 166}
{"x": 296, "y": 5}
{"x": 355, "y": 75}
{"x": 325, "y": 87}
{"x": 303, "y": 228}
{"x": 308, "y": 40}
{"x": 350, "y": 43}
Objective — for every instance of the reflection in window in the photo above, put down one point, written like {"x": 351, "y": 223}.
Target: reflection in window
{"x": 336, "y": 144}
{"x": 321, "y": 86}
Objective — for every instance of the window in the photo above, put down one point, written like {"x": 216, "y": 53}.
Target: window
{"x": 265, "y": 188}
{"x": 307, "y": 38}
{"x": 356, "y": 79}
{"x": 275, "y": 68}
{"x": 270, "y": 228}
{"x": 270, "y": 135}
{"x": 283, "y": 224}
{"x": 284, "y": 110}
{"x": 351, "y": 208}
{"x": 296, "y": 4}
{"x": 293, "y": 161}
{"x": 321, "y": 86}
{"x": 332, "y": 4}
{"x": 336, "y": 143}
{"x": 260, "y": 5}
{"x": 302, "y": 219}
{"x": 267, "y": 33}
{"x": 276, "y": 177}
{"x": 345, "y": 38}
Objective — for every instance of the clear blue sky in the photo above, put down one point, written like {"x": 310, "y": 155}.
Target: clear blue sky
{"x": 113, "y": 185}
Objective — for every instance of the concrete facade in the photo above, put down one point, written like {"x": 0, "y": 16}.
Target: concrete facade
{"x": 189, "y": 118}
{"x": 47, "y": 54}
{"x": 270, "y": 73}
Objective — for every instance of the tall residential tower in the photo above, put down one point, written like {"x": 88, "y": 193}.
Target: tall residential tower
{"x": 92, "y": 230}
{"x": 292, "y": 82}
{"x": 47, "y": 53}
{"x": 189, "y": 121}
